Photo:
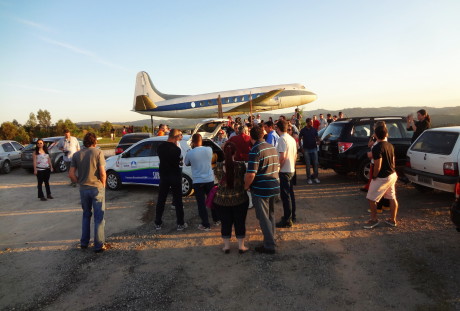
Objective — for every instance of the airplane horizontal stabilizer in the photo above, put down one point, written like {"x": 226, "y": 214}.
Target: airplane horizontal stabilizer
{"x": 144, "y": 103}
{"x": 256, "y": 103}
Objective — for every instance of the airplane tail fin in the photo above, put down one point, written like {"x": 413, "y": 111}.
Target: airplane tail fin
{"x": 145, "y": 93}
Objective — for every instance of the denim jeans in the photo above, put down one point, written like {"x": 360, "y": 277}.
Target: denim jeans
{"x": 201, "y": 191}
{"x": 93, "y": 200}
{"x": 287, "y": 195}
{"x": 311, "y": 157}
{"x": 265, "y": 213}
{"x": 174, "y": 183}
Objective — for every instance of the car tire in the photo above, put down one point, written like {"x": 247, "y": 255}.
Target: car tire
{"x": 60, "y": 165}
{"x": 187, "y": 185}
{"x": 6, "y": 167}
{"x": 422, "y": 189}
{"x": 113, "y": 180}
{"x": 341, "y": 171}
{"x": 364, "y": 170}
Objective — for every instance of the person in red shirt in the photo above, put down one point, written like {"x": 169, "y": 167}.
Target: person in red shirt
{"x": 243, "y": 144}
{"x": 316, "y": 122}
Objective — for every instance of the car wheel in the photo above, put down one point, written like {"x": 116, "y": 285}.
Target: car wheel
{"x": 60, "y": 166}
{"x": 364, "y": 170}
{"x": 422, "y": 189}
{"x": 113, "y": 180}
{"x": 340, "y": 171}
{"x": 6, "y": 167}
{"x": 187, "y": 188}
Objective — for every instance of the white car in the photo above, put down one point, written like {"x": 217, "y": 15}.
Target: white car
{"x": 10, "y": 155}
{"x": 140, "y": 163}
{"x": 433, "y": 159}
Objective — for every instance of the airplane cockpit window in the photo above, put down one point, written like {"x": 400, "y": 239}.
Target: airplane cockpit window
{"x": 192, "y": 104}
{"x": 201, "y": 103}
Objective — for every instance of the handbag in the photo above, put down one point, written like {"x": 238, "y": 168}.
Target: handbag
{"x": 212, "y": 193}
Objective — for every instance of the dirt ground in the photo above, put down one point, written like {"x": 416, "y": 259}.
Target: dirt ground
{"x": 327, "y": 261}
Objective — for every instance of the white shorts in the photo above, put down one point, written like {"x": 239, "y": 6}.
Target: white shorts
{"x": 382, "y": 187}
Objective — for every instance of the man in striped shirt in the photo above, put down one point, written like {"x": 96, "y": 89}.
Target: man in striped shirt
{"x": 263, "y": 180}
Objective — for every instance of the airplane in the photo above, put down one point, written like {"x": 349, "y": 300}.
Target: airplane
{"x": 149, "y": 101}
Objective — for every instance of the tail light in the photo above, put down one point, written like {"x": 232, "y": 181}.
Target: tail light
{"x": 408, "y": 162}
{"x": 450, "y": 169}
{"x": 118, "y": 150}
{"x": 344, "y": 146}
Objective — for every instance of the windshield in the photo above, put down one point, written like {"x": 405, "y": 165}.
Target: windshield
{"x": 333, "y": 131}
{"x": 436, "y": 142}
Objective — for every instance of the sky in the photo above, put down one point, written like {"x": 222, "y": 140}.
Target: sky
{"x": 79, "y": 59}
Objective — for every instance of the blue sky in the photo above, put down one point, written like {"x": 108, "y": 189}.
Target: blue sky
{"x": 79, "y": 59}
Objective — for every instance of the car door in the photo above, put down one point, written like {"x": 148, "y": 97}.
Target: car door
{"x": 136, "y": 164}
{"x": 397, "y": 136}
{"x": 12, "y": 154}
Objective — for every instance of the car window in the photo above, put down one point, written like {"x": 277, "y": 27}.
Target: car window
{"x": 141, "y": 150}
{"x": 7, "y": 147}
{"x": 361, "y": 130}
{"x": 333, "y": 131}
{"x": 393, "y": 130}
{"x": 155, "y": 145}
{"x": 436, "y": 142}
{"x": 131, "y": 139}
{"x": 16, "y": 145}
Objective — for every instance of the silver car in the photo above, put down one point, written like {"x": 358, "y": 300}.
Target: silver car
{"x": 10, "y": 155}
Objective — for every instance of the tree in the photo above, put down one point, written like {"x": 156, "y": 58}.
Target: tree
{"x": 67, "y": 124}
{"x": 8, "y": 130}
{"x": 16, "y": 123}
{"x": 105, "y": 129}
{"x": 22, "y": 136}
{"x": 44, "y": 118}
{"x": 32, "y": 122}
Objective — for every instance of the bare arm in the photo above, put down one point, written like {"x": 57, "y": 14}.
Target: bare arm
{"x": 248, "y": 179}
{"x": 72, "y": 175}
{"x": 51, "y": 165}
{"x": 102, "y": 175}
{"x": 377, "y": 167}
{"x": 34, "y": 158}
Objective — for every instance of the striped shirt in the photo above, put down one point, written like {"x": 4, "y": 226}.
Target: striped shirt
{"x": 263, "y": 161}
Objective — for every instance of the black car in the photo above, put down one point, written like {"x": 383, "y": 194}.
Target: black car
{"x": 344, "y": 143}
{"x": 130, "y": 139}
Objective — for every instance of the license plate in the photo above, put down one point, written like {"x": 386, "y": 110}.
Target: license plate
{"x": 325, "y": 148}
{"x": 425, "y": 180}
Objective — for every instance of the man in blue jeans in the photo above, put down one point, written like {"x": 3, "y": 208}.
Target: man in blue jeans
{"x": 200, "y": 158}
{"x": 310, "y": 139}
{"x": 89, "y": 165}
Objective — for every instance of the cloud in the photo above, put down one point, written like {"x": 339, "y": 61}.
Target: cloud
{"x": 33, "y": 88}
{"x": 89, "y": 54}
{"x": 33, "y": 24}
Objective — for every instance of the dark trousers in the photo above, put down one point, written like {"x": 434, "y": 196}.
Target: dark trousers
{"x": 175, "y": 184}
{"x": 287, "y": 195}
{"x": 43, "y": 176}
{"x": 233, "y": 216}
{"x": 201, "y": 191}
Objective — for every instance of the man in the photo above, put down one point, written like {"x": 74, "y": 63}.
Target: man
{"x": 243, "y": 144}
{"x": 316, "y": 122}
{"x": 161, "y": 130}
{"x": 287, "y": 151}
{"x": 68, "y": 145}
{"x": 298, "y": 116}
{"x": 329, "y": 119}
{"x": 88, "y": 169}
{"x": 322, "y": 122}
{"x": 272, "y": 137}
{"x": 310, "y": 139}
{"x": 170, "y": 178}
{"x": 383, "y": 179}
{"x": 263, "y": 180}
{"x": 341, "y": 116}
{"x": 235, "y": 130}
{"x": 257, "y": 120}
{"x": 112, "y": 133}
{"x": 200, "y": 158}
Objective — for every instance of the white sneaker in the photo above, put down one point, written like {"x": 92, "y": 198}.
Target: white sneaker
{"x": 316, "y": 180}
{"x": 309, "y": 181}
{"x": 157, "y": 227}
{"x": 201, "y": 227}
{"x": 182, "y": 227}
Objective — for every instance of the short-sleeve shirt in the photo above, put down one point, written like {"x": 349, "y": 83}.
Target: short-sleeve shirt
{"x": 308, "y": 136}
{"x": 385, "y": 151}
{"x": 263, "y": 161}
{"x": 272, "y": 138}
{"x": 200, "y": 159}
{"x": 288, "y": 145}
{"x": 87, "y": 162}
{"x": 170, "y": 158}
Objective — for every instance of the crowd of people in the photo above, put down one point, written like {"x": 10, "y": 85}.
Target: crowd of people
{"x": 259, "y": 169}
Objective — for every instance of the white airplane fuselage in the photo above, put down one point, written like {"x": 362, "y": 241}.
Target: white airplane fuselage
{"x": 206, "y": 105}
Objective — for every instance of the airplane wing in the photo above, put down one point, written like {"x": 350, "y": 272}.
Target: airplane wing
{"x": 258, "y": 104}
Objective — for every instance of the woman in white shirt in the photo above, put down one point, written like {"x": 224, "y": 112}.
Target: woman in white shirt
{"x": 42, "y": 169}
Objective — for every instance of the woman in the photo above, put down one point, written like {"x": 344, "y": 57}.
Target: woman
{"x": 221, "y": 138}
{"x": 42, "y": 169}
{"x": 423, "y": 123}
{"x": 231, "y": 200}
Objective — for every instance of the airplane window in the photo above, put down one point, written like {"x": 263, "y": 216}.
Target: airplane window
{"x": 192, "y": 104}
{"x": 201, "y": 103}
{"x": 224, "y": 101}
{"x": 242, "y": 98}
{"x": 209, "y": 102}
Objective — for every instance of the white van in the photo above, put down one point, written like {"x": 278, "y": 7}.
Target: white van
{"x": 433, "y": 159}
